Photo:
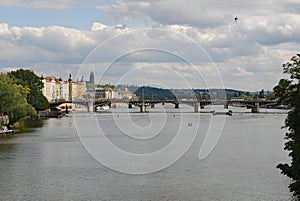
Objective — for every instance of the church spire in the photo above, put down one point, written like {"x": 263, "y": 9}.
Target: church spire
{"x": 92, "y": 77}
{"x": 70, "y": 78}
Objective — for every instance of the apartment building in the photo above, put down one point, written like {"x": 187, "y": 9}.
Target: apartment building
{"x": 58, "y": 89}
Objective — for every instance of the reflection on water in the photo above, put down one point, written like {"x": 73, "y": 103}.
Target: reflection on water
{"x": 51, "y": 163}
{"x": 27, "y": 125}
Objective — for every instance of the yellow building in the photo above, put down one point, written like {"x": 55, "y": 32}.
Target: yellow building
{"x": 78, "y": 90}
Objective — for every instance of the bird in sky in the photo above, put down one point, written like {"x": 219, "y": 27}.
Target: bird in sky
{"x": 236, "y": 19}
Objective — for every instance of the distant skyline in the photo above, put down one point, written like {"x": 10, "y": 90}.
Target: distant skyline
{"x": 90, "y": 80}
{"x": 164, "y": 43}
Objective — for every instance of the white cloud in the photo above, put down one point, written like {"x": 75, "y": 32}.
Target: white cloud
{"x": 98, "y": 26}
{"x": 200, "y": 13}
{"x": 248, "y": 53}
{"x": 39, "y": 4}
{"x": 30, "y": 44}
{"x": 55, "y": 49}
{"x": 163, "y": 12}
{"x": 241, "y": 71}
{"x": 266, "y": 22}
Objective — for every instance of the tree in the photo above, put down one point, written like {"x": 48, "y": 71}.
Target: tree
{"x": 106, "y": 86}
{"x": 261, "y": 94}
{"x": 29, "y": 79}
{"x": 288, "y": 92}
{"x": 13, "y": 99}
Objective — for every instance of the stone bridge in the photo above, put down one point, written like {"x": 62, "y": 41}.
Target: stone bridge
{"x": 143, "y": 104}
{"x": 254, "y": 104}
{"x": 197, "y": 104}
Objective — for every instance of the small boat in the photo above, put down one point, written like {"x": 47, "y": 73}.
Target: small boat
{"x": 5, "y": 130}
{"x": 102, "y": 108}
{"x": 229, "y": 113}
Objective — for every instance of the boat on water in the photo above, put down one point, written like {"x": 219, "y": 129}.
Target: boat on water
{"x": 229, "y": 112}
{"x": 4, "y": 130}
{"x": 54, "y": 113}
{"x": 102, "y": 108}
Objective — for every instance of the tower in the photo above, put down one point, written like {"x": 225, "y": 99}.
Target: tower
{"x": 70, "y": 87}
{"x": 92, "y": 78}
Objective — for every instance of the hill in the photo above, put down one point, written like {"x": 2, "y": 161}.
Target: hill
{"x": 154, "y": 93}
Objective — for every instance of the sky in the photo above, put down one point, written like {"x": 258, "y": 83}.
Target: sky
{"x": 166, "y": 43}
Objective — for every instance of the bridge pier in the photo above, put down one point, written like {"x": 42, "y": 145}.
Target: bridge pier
{"x": 197, "y": 107}
{"x": 67, "y": 109}
{"x": 255, "y": 109}
{"x": 226, "y": 105}
{"x": 176, "y": 105}
{"x": 143, "y": 107}
{"x": 90, "y": 106}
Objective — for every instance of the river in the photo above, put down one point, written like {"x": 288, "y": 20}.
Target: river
{"x": 51, "y": 163}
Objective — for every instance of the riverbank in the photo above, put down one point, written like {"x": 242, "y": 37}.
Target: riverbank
{"x": 26, "y": 125}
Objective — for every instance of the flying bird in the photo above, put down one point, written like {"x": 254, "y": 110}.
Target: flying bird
{"x": 236, "y": 19}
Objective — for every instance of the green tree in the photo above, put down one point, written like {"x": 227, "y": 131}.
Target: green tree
{"x": 29, "y": 79}
{"x": 261, "y": 94}
{"x": 105, "y": 86}
{"x": 13, "y": 99}
{"x": 288, "y": 92}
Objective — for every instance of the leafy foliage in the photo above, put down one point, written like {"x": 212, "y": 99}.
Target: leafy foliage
{"x": 29, "y": 79}
{"x": 288, "y": 92}
{"x": 105, "y": 86}
{"x": 13, "y": 99}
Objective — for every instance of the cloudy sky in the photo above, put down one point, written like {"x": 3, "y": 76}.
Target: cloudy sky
{"x": 168, "y": 43}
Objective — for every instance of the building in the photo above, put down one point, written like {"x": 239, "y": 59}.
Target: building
{"x": 50, "y": 88}
{"x": 103, "y": 93}
{"x": 123, "y": 93}
{"x": 78, "y": 90}
{"x": 56, "y": 89}
{"x": 64, "y": 93}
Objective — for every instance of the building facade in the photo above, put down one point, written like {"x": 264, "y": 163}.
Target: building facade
{"x": 56, "y": 89}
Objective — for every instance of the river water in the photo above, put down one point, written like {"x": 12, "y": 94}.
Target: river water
{"x": 51, "y": 163}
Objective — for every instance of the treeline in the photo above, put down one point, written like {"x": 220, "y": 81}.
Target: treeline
{"x": 288, "y": 92}
{"x": 21, "y": 94}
